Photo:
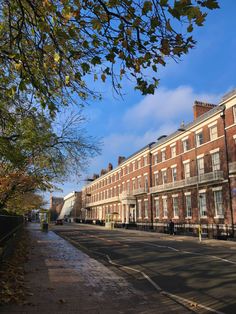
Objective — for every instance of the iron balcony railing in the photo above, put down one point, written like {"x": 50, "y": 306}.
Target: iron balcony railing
{"x": 105, "y": 201}
{"x": 232, "y": 167}
{"x": 126, "y": 195}
{"x": 141, "y": 190}
{"x": 205, "y": 177}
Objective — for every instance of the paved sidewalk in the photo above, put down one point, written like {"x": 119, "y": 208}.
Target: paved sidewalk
{"x": 61, "y": 279}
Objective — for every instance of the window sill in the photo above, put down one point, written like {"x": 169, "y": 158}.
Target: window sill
{"x": 219, "y": 217}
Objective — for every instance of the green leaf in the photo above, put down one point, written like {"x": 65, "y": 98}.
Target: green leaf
{"x": 85, "y": 67}
{"x": 56, "y": 57}
{"x": 96, "y": 60}
{"x": 103, "y": 77}
{"x": 96, "y": 24}
{"x": 147, "y": 6}
{"x": 190, "y": 28}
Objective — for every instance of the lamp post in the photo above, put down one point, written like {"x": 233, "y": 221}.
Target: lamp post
{"x": 222, "y": 115}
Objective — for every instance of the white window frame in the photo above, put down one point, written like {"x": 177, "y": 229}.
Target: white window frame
{"x": 175, "y": 204}
{"x": 199, "y": 138}
{"x": 188, "y": 205}
{"x": 139, "y": 205}
{"x": 200, "y": 165}
{"x": 187, "y": 173}
{"x": 133, "y": 184}
{"x": 215, "y": 161}
{"x": 163, "y": 154}
{"x": 145, "y": 161}
{"x": 146, "y": 182}
{"x": 164, "y": 206}
{"x": 128, "y": 186}
{"x": 234, "y": 113}
{"x": 185, "y": 144}
{"x": 157, "y": 207}
{"x": 219, "y": 208}
{"x": 164, "y": 171}
{"x": 202, "y": 204}
{"x": 174, "y": 173}
{"x": 213, "y": 132}
{"x": 139, "y": 185}
{"x": 146, "y": 208}
{"x": 139, "y": 163}
{"x": 156, "y": 178}
{"x": 156, "y": 159}
{"x": 173, "y": 150}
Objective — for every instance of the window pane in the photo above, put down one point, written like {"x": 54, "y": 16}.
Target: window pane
{"x": 200, "y": 165}
{"x": 146, "y": 208}
{"x": 157, "y": 207}
{"x": 218, "y": 203}
{"x": 188, "y": 206}
{"x": 165, "y": 211}
{"x": 202, "y": 204}
{"x": 175, "y": 207}
{"x": 174, "y": 174}
{"x": 215, "y": 161}
{"x": 213, "y": 132}
{"x": 173, "y": 151}
{"x": 187, "y": 170}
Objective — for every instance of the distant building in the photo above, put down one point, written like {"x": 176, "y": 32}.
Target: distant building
{"x": 56, "y": 204}
{"x": 71, "y": 206}
{"x": 188, "y": 176}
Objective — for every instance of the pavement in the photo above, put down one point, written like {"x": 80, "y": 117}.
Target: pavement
{"x": 59, "y": 278}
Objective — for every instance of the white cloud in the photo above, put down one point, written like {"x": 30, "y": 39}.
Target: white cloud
{"x": 153, "y": 116}
{"x": 164, "y": 106}
{"x": 125, "y": 144}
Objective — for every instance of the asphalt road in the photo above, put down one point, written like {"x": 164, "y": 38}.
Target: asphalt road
{"x": 201, "y": 276}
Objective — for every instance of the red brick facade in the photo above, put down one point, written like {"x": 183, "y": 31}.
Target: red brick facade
{"x": 188, "y": 176}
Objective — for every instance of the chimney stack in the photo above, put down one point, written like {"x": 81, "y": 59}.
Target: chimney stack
{"x": 110, "y": 167}
{"x": 120, "y": 159}
{"x": 200, "y": 108}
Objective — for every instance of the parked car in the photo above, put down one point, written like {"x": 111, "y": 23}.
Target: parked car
{"x": 59, "y": 222}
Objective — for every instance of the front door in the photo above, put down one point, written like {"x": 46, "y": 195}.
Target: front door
{"x": 133, "y": 213}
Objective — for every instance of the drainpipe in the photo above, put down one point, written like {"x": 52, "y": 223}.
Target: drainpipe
{"x": 150, "y": 182}
{"x": 222, "y": 115}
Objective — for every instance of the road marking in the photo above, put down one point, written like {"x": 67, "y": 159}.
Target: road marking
{"x": 175, "y": 297}
{"x": 193, "y": 253}
{"x": 163, "y": 292}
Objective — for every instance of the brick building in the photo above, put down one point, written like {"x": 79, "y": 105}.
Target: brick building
{"x": 56, "y": 204}
{"x": 188, "y": 176}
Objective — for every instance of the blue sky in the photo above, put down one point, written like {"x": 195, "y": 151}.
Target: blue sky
{"x": 206, "y": 73}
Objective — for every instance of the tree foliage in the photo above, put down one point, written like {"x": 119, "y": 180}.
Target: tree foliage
{"x": 36, "y": 151}
{"x": 48, "y": 47}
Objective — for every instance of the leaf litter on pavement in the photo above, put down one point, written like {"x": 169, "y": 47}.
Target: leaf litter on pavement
{"x": 12, "y": 273}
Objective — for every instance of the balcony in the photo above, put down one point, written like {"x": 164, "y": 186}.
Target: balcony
{"x": 206, "y": 177}
{"x": 127, "y": 198}
{"x": 140, "y": 191}
{"x": 126, "y": 195}
{"x": 232, "y": 167}
{"x": 105, "y": 201}
{"x": 211, "y": 176}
